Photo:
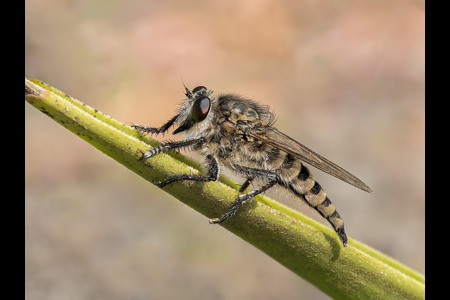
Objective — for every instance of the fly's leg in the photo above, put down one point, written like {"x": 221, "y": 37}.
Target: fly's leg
{"x": 245, "y": 184}
{"x": 155, "y": 130}
{"x": 241, "y": 199}
{"x": 212, "y": 169}
{"x": 170, "y": 146}
{"x": 211, "y": 162}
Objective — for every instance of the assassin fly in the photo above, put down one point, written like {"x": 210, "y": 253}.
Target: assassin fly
{"x": 239, "y": 134}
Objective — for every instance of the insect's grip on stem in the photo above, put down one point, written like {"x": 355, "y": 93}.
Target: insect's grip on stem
{"x": 240, "y": 134}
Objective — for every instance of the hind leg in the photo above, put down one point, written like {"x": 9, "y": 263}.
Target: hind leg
{"x": 241, "y": 199}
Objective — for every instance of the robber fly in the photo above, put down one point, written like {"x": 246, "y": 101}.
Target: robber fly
{"x": 240, "y": 134}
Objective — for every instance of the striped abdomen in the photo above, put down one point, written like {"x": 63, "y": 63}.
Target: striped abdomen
{"x": 295, "y": 176}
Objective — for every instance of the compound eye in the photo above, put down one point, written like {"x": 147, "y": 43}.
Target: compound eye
{"x": 198, "y": 89}
{"x": 200, "y": 109}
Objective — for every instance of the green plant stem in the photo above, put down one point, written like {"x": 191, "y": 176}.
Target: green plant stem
{"x": 304, "y": 246}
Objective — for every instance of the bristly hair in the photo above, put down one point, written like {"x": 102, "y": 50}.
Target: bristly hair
{"x": 273, "y": 117}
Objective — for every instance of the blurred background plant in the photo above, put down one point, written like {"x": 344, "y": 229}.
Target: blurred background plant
{"x": 345, "y": 79}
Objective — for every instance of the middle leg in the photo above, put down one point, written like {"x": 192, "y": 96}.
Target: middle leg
{"x": 212, "y": 169}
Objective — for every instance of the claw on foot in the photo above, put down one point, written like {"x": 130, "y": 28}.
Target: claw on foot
{"x": 214, "y": 221}
{"x": 158, "y": 183}
{"x": 142, "y": 152}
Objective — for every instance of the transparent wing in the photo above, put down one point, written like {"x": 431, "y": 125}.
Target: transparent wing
{"x": 281, "y": 141}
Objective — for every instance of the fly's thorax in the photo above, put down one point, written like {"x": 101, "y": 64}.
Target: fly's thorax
{"x": 238, "y": 110}
{"x": 242, "y": 113}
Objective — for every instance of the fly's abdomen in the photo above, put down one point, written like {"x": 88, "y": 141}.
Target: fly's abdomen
{"x": 302, "y": 183}
{"x": 317, "y": 198}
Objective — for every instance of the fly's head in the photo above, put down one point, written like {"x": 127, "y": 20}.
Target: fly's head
{"x": 196, "y": 113}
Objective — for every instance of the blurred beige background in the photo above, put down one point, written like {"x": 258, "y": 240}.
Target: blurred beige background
{"x": 345, "y": 79}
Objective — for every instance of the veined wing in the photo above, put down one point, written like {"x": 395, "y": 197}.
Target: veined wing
{"x": 281, "y": 141}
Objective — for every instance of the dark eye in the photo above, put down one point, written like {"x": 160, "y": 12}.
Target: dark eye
{"x": 198, "y": 89}
{"x": 200, "y": 109}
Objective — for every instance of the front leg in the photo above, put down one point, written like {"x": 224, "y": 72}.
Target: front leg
{"x": 212, "y": 168}
{"x": 156, "y": 130}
